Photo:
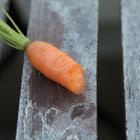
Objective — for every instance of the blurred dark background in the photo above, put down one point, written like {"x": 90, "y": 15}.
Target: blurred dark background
{"x": 111, "y": 114}
{"x": 110, "y": 86}
{"x": 10, "y": 74}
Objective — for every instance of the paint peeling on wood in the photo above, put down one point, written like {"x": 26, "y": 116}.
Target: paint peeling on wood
{"x": 48, "y": 111}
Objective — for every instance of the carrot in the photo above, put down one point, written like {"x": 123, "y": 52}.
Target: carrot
{"x": 49, "y": 60}
{"x": 56, "y": 65}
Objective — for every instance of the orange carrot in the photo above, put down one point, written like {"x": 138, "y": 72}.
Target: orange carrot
{"x": 49, "y": 60}
{"x": 56, "y": 65}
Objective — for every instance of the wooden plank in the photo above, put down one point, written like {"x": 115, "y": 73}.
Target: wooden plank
{"x": 131, "y": 66}
{"x": 4, "y": 50}
{"x": 5, "y": 4}
{"x": 48, "y": 111}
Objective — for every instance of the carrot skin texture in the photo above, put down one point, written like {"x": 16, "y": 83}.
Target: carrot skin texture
{"x": 56, "y": 65}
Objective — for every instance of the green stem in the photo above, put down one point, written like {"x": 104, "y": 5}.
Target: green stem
{"x": 14, "y": 38}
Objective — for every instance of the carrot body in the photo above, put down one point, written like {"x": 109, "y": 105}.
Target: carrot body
{"x": 56, "y": 65}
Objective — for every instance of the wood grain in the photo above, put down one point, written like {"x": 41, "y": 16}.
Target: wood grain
{"x": 131, "y": 65}
{"x": 47, "y": 111}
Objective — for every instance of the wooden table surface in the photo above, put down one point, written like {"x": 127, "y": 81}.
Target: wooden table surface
{"x": 47, "y": 111}
{"x": 131, "y": 65}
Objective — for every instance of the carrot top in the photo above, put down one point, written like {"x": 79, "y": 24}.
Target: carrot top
{"x": 12, "y": 37}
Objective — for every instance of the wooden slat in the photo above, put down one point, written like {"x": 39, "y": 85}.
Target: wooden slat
{"x": 48, "y": 111}
{"x": 5, "y": 4}
{"x": 4, "y": 50}
{"x": 131, "y": 66}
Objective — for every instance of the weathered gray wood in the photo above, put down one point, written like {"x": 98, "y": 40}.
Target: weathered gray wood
{"x": 47, "y": 111}
{"x": 131, "y": 66}
{"x": 4, "y": 50}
